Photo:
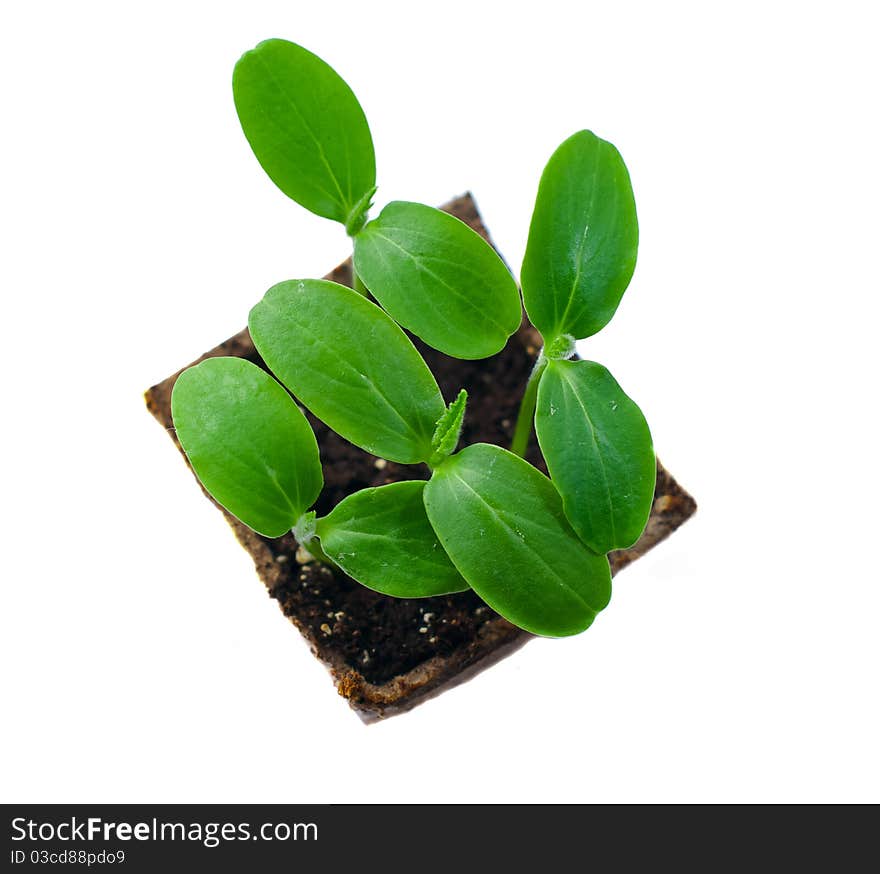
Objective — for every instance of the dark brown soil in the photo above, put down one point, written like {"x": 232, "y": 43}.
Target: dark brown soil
{"x": 387, "y": 654}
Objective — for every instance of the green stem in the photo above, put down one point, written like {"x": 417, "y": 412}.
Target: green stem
{"x": 305, "y": 532}
{"x": 313, "y": 547}
{"x": 358, "y": 283}
{"x": 526, "y": 418}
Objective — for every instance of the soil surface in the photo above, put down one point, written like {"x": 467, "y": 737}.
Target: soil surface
{"x": 387, "y": 654}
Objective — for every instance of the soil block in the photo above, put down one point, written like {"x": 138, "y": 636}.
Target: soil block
{"x": 386, "y": 654}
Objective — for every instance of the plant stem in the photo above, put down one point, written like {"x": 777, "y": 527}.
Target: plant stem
{"x": 313, "y": 547}
{"x": 358, "y": 284}
{"x": 526, "y": 418}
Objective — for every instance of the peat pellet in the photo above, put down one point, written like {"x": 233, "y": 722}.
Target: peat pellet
{"x": 385, "y": 654}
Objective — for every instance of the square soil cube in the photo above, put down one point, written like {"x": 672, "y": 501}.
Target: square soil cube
{"x": 387, "y": 655}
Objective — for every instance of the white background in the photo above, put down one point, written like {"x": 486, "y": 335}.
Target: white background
{"x": 142, "y": 659}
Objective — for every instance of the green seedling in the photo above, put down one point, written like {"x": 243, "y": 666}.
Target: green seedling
{"x": 255, "y": 452}
{"x": 580, "y": 257}
{"x": 532, "y": 547}
{"x": 430, "y": 271}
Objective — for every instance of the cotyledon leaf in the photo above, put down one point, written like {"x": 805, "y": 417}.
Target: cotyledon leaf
{"x": 306, "y": 128}
{"x": 248, "y": 442}
{"x": 351, "y": 365}
{"x": 501, "y": 522}
{"x": 599, "y": 452}
{"x": 381, "y": 537}
{"x": 439, "y": 279}
{"x": 583, "y": 239}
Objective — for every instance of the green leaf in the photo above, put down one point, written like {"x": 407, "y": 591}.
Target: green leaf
{"x": 248, "y": 442}
{"x": 448, "y": 429}
{"x": 382, "y": 538}
{"x": 599, "y": 453}
{"x": 351, "y": 365}
{"x": 439, "y": 279}
{"x": 503, "y": 526}
{"x": 583, "y": 239}
{"x": 306, "y": 128}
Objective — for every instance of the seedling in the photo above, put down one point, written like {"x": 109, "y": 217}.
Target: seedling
{"x": 429, "y": 271}
{"x": 532, "y": 548}
{"x": 580, "y": 257}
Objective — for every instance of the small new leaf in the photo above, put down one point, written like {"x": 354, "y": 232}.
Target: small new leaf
{"x": 583, "y": 239}
{"x": 351, "y": 365}
{"x": 599, "y": 452}
{"x": 502, "y": 524}
{"x": 448, "y": 429}
{"x": 358, "y": 215}
{"x": 306, "y": 128}
{"x": 248, "y": 442}
{"x": 561, "y": 349}
{"x": 305, "y": 527}
{"x": 439, "y": 279}
{"x": 382, "y": 538}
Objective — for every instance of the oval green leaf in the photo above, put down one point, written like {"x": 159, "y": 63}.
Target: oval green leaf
{"x": 439, "y": 279}
{"x": 306, "y": 128}
{"x": 351, "y": 365}
{"x": 583, "y": 239}
{"x": 382, "y": 538}
{"x": 248, "y": 443}
{"x": 599, "y": 452}
{"x": 502, "y": 524}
